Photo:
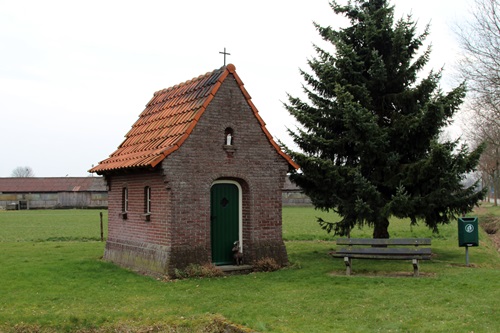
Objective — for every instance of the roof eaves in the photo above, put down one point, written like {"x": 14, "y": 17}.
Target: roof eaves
{"x": 163, "y": 155}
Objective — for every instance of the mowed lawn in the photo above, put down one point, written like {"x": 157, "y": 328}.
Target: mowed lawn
{"x": 52, "y": 279}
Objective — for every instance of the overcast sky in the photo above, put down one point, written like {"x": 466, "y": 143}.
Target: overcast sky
{"x": 75, "y": 75}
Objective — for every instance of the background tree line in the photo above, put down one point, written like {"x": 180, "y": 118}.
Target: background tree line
{"x": 22, "y": 172}
{"x": 479, "y": 38}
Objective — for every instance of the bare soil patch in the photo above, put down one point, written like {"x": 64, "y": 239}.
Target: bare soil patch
{"x": 490, "y": 224}
{"x": 496, "y": 240}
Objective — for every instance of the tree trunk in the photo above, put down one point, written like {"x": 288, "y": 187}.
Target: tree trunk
{"x": 496, "y": 180}
{"x": 381, "y": 229}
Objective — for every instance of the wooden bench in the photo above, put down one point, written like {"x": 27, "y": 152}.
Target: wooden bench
{"x": 363, "y": 248}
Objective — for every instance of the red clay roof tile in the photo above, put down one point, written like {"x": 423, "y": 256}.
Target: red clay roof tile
{"x": 168, "y": 120}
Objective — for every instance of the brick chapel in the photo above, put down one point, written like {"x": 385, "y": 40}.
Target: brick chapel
{"x": 196, "y": 172}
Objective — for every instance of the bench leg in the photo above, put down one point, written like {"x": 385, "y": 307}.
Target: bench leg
{"x": 348, "y": 268}
{"x": 415, "y": 267}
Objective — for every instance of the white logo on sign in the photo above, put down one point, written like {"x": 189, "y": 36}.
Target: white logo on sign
{"x": 469, "y": 228}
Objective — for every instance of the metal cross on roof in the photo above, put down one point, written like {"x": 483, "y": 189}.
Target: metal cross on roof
{"x": 225, "y": 53}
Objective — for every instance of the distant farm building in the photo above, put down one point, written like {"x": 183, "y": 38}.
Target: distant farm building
{"x": 292, "y": 195}
{"x": 86, "y": 192}
{"x": 53, "y": 192}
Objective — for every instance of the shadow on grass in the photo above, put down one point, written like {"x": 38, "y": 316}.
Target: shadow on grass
{"x": 385, "y": 274}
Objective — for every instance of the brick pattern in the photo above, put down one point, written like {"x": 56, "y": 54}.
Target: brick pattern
{"x": 135, "y": 226}
{"x": 134, "y": 241}
{"x": 254, "y": 164}
{"x": 179, "y": 230}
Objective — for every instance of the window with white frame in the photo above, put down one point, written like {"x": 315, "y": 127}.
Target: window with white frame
{"x": 147, "y": 200}
{"x": 124, "y": 199}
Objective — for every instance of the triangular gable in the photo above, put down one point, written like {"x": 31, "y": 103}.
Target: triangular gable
{"x": 168, "y": 120}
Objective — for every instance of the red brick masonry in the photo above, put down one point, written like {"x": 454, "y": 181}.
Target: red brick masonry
{"x": 177, "y": 232}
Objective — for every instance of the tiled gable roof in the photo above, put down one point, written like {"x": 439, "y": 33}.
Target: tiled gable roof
{"x": 168, "y": 120}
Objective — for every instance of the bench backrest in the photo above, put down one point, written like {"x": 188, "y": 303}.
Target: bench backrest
{"x": 384, "y": 241}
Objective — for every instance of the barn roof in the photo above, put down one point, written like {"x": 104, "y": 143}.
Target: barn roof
{"x": 168, "y": 120}
{"x": 52, "y": 184}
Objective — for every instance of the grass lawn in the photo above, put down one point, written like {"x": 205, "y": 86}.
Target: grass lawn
{"x": 53, "y": 280}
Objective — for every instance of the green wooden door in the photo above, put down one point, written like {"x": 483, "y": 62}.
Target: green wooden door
{"x": 224, "y": 214}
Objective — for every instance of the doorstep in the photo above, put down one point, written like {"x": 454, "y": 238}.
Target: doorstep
{"x": 233, "y": 269}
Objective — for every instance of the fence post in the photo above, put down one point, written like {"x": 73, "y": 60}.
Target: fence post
{"x": 102, "y": 230}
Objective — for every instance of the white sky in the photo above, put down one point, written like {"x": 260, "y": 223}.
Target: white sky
{"x": 75, "y": 75}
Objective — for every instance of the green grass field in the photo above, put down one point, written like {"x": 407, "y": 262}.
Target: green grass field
{"x": 53, "y": 280}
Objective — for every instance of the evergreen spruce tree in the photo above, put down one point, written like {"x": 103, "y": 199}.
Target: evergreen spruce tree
{"x": 369, "y": 131}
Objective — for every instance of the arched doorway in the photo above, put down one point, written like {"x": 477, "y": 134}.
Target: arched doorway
{"x": 225, "y": 220}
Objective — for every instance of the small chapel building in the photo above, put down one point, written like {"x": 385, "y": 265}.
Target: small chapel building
{"x": 197, "y": 172}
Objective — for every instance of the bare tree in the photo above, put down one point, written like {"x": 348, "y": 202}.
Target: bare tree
{"x": 480, "y": 67}
{"x": 479, "y": 39}
{"x": 489, "y": 164}
{"x": 23, "y": 172}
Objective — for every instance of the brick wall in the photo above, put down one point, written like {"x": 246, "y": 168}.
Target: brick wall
{"x": 179, "y": 230}
{"x": 135, "y": 240}
{"x": 252, "y": 161}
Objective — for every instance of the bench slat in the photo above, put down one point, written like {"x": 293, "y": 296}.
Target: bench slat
{"x": 385, "y": 250}
{"x": 383, "y": 241}
{"x": 385, "y": 257}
